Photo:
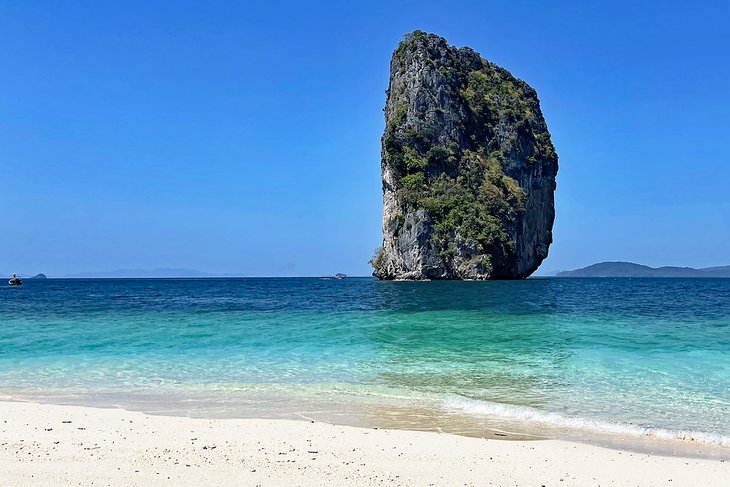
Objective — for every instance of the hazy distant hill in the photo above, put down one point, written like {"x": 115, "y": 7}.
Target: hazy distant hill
{"x": 628, "y": 269}
{"x": 129, "y": 273}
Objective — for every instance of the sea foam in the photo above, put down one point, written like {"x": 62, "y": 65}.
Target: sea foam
{"x": 532, "y": 415}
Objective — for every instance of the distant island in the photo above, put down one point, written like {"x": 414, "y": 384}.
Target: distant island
{"x": 629, "y": 269}
{"x": 39, "y": 276}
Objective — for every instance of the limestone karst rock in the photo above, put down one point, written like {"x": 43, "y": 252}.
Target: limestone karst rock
{"x": 468, "y": 168}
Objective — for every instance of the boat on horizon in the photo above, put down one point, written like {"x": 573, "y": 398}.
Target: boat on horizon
{"x": 337, "y": 277}
{"x": 15, "y": 281}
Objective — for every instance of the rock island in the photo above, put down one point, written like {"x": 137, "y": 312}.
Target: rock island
{"x": 468, "y": 168}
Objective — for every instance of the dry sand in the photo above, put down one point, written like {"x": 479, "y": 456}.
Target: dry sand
{"x": 72, "y": 445}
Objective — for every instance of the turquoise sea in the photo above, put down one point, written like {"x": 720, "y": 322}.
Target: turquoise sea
{"x": 632, "y": 357}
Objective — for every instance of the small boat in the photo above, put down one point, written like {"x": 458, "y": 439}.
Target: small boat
{"x": 15, "y": 281}
{"x": 337, "y": 277}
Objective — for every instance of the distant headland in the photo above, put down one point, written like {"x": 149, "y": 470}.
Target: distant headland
{"x": 629, "y": 269}
{"x": 142, "y": 273}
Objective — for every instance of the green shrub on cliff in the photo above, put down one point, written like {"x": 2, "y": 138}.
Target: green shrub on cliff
{"x": 377, "y": 259}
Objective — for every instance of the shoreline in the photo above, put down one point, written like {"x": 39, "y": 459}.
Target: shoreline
{"x": 536, "y": 426}
{"x": 63, "y": 445}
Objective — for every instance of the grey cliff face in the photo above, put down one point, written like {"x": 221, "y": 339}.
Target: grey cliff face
{"x": 468, "y": 168}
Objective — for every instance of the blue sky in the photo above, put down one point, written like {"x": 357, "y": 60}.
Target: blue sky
{"x": 229, "y": 137}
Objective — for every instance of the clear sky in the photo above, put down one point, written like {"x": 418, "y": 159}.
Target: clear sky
{"x": 245, "y": 136}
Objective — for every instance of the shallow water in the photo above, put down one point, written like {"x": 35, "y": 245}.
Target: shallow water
{"x": 629, "y": 356}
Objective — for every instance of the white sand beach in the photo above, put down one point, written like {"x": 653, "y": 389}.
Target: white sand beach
{"x": 72, "y": 445}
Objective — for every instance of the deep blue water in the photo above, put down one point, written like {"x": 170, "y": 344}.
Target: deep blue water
{"x": 630, "y": 355}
